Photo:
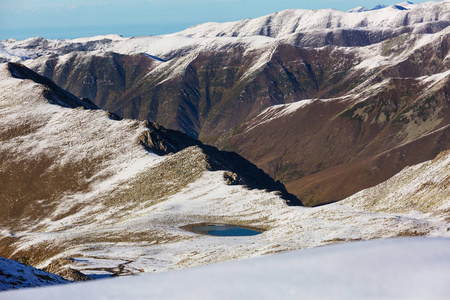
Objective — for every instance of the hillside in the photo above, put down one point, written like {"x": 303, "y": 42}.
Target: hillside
{"x": 379, "y": 78}
{"x": 325, "y": 150}
{"x": 83, "y": 184}
{"x": 65, "y": 164}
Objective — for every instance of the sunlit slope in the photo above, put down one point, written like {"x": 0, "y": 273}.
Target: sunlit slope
{"x": 69, "y": 168}
{"x": 122, "y": 211}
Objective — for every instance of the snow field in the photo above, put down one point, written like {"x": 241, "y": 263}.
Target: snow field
{"x": 411, "y": 268}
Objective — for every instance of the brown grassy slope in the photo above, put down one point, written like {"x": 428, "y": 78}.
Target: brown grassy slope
{"x": 328, "y": 150}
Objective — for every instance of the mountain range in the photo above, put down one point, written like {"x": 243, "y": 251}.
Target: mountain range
{"x": 85, "y": 190}
{"x": 370, "y": 82}
{"x": 111, "y": 146}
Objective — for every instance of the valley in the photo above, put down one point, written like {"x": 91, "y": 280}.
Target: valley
{"x": 380, "y": 78}
{"x": 125, "y": 210}
{"x": 295, "y": 130}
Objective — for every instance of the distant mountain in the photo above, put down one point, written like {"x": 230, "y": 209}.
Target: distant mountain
{"x": 379, "y": 71}
{"x": 405, "y": 3}
{"x": 358, "y": 9}
{"x": 400, "y": 6}
{"x": 379, "y": 6}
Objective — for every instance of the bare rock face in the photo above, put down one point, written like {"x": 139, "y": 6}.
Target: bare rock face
{"x": 233, "y": 178}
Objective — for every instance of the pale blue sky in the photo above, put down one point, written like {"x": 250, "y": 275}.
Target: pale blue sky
{"x": 22, "y": 19}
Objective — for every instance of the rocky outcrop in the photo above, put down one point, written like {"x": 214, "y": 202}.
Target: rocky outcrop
{"x": 238, "y": 170}
{"x": 59, "y": 267}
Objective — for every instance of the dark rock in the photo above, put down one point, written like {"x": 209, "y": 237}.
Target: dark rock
{"x": 59, "y": 267}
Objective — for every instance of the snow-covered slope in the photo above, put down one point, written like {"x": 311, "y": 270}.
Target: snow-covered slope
{"x": 411, "y": 268}
{"x": 14, "y": 275}
{"x": 76, "y": 182}
{"x": 64, "y": 145}
{"x": 423, "y": 191}
{"x": 286, "y": 25}
{"x": 126, "y": 211}
{"x": 82, "y": 173}
{"x": 358, "y": 9}
{"x": 166, "y": 46}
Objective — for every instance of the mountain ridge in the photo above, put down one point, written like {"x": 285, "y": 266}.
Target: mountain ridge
{"x": 419, "y": 14}
{"x": 79, "y": 184}
{"x": 210, "y": 87}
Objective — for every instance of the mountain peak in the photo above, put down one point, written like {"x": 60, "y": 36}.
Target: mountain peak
{"x": 399, "y": 6}
{"x": 358, "y": 9}
{"x": 405, "y": 3}
{"x": 379, "y": 6}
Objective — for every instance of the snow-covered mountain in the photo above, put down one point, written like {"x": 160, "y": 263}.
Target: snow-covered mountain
{"x": 296, "y": 21}
{"x": 395, "y": 268}
{"x": 400, "y": 6}
{"x": 358, "y": 9}
{"x": 212, "y": 80}
{"x": 290, "y": 25}
{"x": 350, "y": 106}
{"x": 81, "y": 183}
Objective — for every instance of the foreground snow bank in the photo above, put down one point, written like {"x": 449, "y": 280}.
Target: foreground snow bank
{"x": 404, "y": 268}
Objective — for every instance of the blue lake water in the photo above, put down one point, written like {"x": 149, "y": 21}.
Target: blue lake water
{"x": 223, "y": 230}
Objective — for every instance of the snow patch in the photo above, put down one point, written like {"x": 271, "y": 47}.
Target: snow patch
{"x": 433, "y": 79}
{"x": 281, "y": 110}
